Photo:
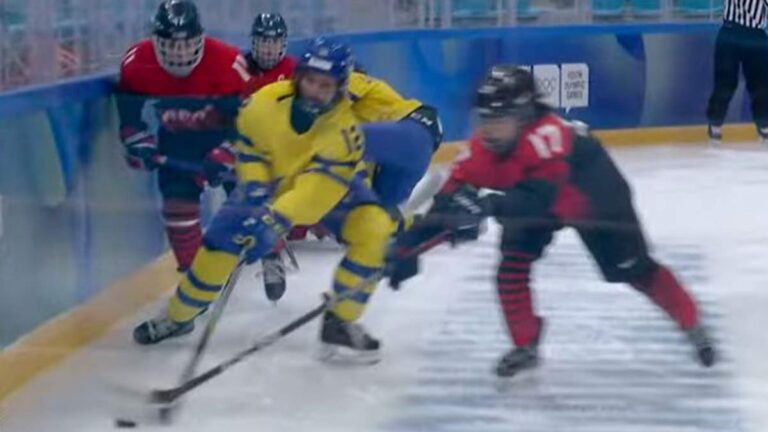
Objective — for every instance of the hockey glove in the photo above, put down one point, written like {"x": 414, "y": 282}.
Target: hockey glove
{"x": 460, "y": 212}
{"x": 140, "y": 149}
{"x": 402, "y": 259}
{"x": 399, "y": 266}
{"x": 262, "y": 232}
{"x": 400, "y": 270}
{"x": 217, "y": 163}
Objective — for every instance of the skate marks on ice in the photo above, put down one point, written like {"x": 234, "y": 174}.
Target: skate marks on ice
{"x": 611, "y": 361}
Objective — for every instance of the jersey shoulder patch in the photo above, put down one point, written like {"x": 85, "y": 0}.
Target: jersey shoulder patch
{"x": 138, "y": 53}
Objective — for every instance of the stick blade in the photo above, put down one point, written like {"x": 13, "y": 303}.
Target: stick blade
{"x": 166, "y": 404}
{"x": 163, "y": 397}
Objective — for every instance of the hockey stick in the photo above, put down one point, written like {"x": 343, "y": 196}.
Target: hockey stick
{"x": 192, "y": 167}
{"x": 169, "y": 396}
{"x": 213, "y": 320}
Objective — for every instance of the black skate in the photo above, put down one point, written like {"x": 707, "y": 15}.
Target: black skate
{"x": 715, "y": 135}
{"x": 158, "y": 329}
{"x": 705, "y": 349}
{"x": 520, "y": 358}
{"x": 347, "y": 342}
{"x": 274, "y": 276}
{"x": 763, "y": 133}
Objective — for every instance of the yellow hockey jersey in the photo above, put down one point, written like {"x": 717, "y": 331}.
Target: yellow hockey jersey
{"x": 373, "y": 100}
{"x": 310, "y": 171}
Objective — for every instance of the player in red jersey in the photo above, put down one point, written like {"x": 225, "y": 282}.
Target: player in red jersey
{"x": 268, "y": 61}
{"x": 190, "y": 84}
{"x": 548, "y": 173}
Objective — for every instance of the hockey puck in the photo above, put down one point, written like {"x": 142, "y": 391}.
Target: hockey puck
{"x": 124, "y": 423}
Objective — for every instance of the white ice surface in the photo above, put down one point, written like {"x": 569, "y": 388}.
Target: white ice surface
{"x": 613, "y": 363}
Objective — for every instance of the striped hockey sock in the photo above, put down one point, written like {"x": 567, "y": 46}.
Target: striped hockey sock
{"x": 513, "y": 280}
{"x": 182, "y": 224}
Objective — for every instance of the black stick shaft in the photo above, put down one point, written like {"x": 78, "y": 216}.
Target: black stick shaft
{"x": 213, "y": 320}
{"x": 170, "y": 395}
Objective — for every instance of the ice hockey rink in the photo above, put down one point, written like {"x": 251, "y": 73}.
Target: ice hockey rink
{"x": 613, "y": 363}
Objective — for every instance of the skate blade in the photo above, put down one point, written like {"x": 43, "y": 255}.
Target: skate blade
{"x": 274, "y": 294}
{"x": 521, "y": 378}
{"x": 705, "y": 358}
{"x": 334, "y": 354}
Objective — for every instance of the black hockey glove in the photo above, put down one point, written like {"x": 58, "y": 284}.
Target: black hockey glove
{"x": 400, "y": 268}
{"x": 459, "y": 212}
{"x": 402, "y": 260}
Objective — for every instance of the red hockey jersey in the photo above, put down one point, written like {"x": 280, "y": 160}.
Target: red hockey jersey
{"x": 543, "y": 152}
{"x": 221, "y": 72}
{"x": 259, "y": 78}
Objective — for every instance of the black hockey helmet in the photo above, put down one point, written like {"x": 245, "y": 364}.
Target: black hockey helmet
{"x": 507, "y": 90}
{"x": 177, "y": 36}
{"x": 269, "y": 39}
{"x": 505, "y": 102}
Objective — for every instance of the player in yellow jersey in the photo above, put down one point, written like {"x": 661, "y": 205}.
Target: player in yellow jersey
{"x": 299, "y": 162}
{"x": 400, "y": 135}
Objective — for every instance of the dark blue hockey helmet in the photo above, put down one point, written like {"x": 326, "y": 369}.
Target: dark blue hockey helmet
{"x": 269, "y": 39}
{"x": 177, "y": 36}
{"x": 328, "y": 58}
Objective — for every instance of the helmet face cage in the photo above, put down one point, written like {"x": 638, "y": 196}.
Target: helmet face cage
{"x": 268, "y": 51}
{"x": 269, "y": 39}
{"x": 498, "y": 134}
{"x": 327, "y": 58}
{"x": 322, "y": 100}
{"x": 505, "y": 102}
{"x": 179, "y": 56}
{"x": 177, "y": 37}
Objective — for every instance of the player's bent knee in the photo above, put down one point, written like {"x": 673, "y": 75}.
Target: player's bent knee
{"x": 638, "y": 272}
{"x": 367, "y": 230}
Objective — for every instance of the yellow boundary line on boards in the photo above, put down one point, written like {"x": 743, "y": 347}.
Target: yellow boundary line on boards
{"x": 56, "y": 339}
{"x": 61, "y": 336}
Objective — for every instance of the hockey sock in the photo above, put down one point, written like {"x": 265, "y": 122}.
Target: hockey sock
{"x": 182, "y": 224}
{"x": 663, "y": 288}
{"x": 513, "y": 280}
